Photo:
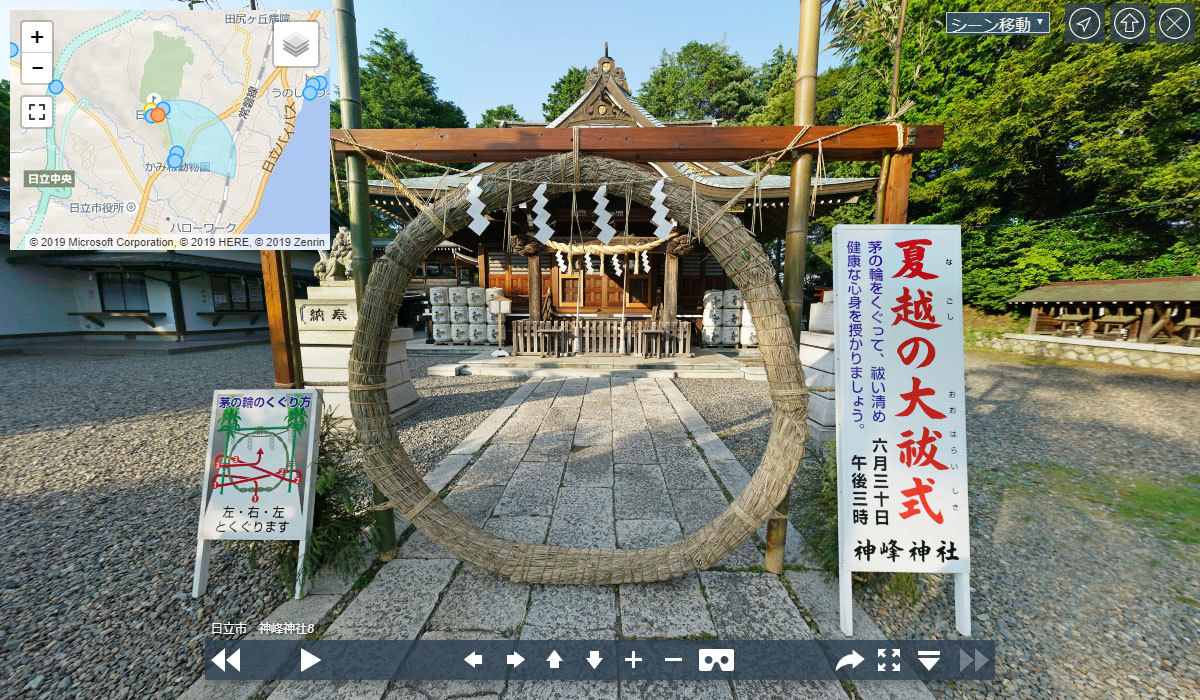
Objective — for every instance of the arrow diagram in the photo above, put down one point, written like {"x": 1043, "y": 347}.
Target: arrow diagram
{"x": 853, "y": 659}
{"x": 514, "y": 659}
{"x": 554, "y": 659}
{"x": 308, "y": 660}
{"x": 474, "y": 659}
{"x": 594, "y": 658}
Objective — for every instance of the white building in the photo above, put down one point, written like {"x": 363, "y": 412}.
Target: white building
{"x": 144, "y": 296}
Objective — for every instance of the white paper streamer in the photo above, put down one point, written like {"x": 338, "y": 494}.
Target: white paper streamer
{"x": 562, "y": 264}
{"x": 603, "y": 217}
{"x": 542, "y": 220}
{"x": 660, "y": 210}
{"x": 587, "y": 262}
{"x": 645, "y": 262}
{"x": 618, "y": 268}
{"x": 478, "y": 221}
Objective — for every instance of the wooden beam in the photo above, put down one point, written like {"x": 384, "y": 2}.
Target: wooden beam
{"x": 668, "y": 143}
{"x": 275, "y": 296}
{"x": 535, "y": 286}
{"x": 670, "y": 288}
{"x": 895, "y": 193}
{"x": 1146, "y": 325}
{"x": 1033, "y": 320}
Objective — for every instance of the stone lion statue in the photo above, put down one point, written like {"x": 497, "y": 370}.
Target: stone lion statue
{"x": 337, "y": 264}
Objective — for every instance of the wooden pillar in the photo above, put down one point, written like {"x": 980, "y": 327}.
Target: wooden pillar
{"x": 535, "y": 287}
{"x": 275, "y": 296}
{"x": 482, "y": 267}
{"x": 670, "y": 288}
{"x": 1034, "y": 313}
{"x": 177, "y": 306}
{"x": 1146, "y": 326}
{"x": 895, "y": 193}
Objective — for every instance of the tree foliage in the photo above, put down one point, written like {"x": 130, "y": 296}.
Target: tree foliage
{"x": 703, "y": 81}
{"x": 501, "y": 113}
{"x": 397, "y": 93}
{"x": 1061, "y": 161}
{"x": 564, "y": 92}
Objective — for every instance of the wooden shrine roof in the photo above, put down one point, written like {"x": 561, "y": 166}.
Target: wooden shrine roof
{"x": 1165, "y": 289}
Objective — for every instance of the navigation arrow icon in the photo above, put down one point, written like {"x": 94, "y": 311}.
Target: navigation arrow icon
{"x": 474, "y": 659}
{"x": 554, "y": 659}
{"x": 964, "y": 660}
{"x": 594, "y": 658}
{"x": 514, "y": 659}
{"x": 853, "y": 659}
{"x": 308, "y": 660}
{"x": 980, "y": 660}
{"x": 219, "y": 659}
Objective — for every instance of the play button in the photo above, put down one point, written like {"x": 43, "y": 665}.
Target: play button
{"x": 308, "y": 660}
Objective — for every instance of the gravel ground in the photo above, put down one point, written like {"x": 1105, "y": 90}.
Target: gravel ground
{"x": 100, "y": 481}
{"x": 1083, "y": 600}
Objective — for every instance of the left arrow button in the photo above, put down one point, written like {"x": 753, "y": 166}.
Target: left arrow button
{"x": 308, "y": 660}
{"x": 474, "y": 658}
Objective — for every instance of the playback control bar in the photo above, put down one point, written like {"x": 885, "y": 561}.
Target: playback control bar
{"x": 824, "y": 660}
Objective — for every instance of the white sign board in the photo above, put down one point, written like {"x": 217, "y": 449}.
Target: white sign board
{"x": 258, "y": 473}
{"x": 901, "y": 404}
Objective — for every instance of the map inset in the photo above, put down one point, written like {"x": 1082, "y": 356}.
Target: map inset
{"x": 153, "y": 130}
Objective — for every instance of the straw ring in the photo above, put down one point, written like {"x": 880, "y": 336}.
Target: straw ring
{"x": 389, "y": 467}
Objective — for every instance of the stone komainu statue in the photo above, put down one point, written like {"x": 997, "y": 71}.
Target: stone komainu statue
{"x": 337, "y": 264}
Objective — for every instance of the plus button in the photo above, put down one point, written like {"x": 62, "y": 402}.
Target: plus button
{"x": 633, "y": 659}
{"x": 37, "y": 36}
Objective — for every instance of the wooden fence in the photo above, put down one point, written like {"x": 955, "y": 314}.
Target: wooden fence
{"x": 602, "y": 337}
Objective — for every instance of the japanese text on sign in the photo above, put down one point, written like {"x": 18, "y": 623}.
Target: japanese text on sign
{"x": 901, "y": 440}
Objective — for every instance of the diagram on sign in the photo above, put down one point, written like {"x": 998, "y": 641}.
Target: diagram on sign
{"x": 255, "y": 485}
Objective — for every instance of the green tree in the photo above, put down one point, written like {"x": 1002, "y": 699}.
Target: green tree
{"x": 702, "y": 81}
{"x": 397, "y": 93}
{"x": 1042, "y": 139}
{"x": 501, "y": 113}
{"x": 564, "y": 92}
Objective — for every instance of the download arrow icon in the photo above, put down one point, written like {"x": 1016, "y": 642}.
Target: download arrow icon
{"x": 594, "y": 658}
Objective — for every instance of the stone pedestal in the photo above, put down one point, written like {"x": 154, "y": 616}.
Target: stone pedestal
{"x": 326, "y": 321}
{"x": 816, "y": 357}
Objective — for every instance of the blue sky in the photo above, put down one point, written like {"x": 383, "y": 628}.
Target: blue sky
{"x": 487, "y": 53}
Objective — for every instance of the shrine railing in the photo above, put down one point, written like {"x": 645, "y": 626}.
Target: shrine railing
{"x": 602, "y": 337}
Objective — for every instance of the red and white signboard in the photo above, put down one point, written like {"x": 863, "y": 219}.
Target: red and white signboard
{"x": 901, "y": 404}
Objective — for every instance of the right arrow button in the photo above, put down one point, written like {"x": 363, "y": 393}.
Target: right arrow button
{"x": 964, "y": 660}
{"x": 980, "y": 660}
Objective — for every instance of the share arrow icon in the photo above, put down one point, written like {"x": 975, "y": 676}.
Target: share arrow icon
{"x": 853, "y": 659}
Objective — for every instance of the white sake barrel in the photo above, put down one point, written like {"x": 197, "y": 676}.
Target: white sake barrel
{"x": 733, "y": 299}
{"x": 713, "y": 316}
{"x": 460, "y": 332}
{"x": 458, "y": 314}
{"x": 714, "y": 299}
{"x": 492, "y": 319}
{"x": 493, "y": 292}
{"x": 711, "y": 335}
{"x": 441, "y": 332}
{"x": 730, "y": 335}
{"x": 731, "y": 317}
{"x": 477, "y": 314}
{"x": 440, "y": 314}
{"x": 493, "y": 333}
{"x": 438, "y": 296}
{"x": 747, "y": 317}
{"x": 458, "y": 296}
{"x": 476, "y": 296}
{"x": 749, "y": 336}
{"x": 477, "y": 333}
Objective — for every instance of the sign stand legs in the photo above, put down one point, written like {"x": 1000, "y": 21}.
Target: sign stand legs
{"x": 300, "y": 582}
{"x": 846, "y": 596}
{"x": 962, "y": 603}
{"x": 200, "y": 575}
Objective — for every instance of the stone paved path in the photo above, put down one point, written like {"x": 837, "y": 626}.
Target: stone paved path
{"x": 589, "y": 462}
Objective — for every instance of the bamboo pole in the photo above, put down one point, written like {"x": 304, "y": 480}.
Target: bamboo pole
{"x": 360, "y": 225}
{"x": 796, "y": 249}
